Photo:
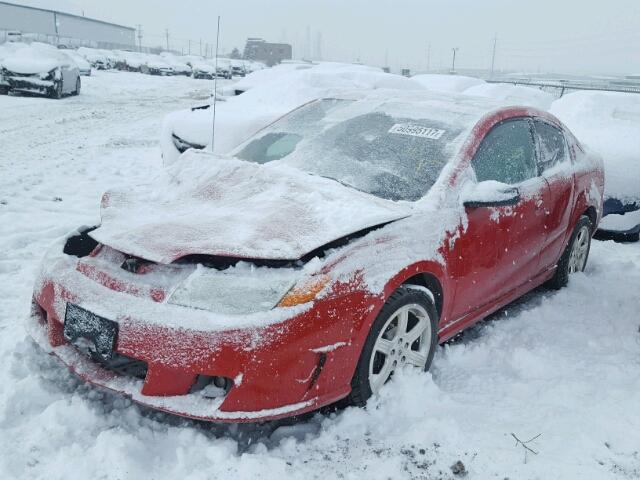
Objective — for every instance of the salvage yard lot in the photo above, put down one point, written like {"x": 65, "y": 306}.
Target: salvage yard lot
{"x": 563, "y": 365}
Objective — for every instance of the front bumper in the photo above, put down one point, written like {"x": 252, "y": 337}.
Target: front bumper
{"x": 30, "y": 84}
{"x": 278, "y": 370}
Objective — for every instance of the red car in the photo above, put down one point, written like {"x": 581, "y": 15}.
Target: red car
{"x": 340, "y": 243}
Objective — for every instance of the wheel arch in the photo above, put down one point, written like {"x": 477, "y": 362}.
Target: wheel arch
{"x": 431, "y": 283}
{"x": 593, "y": 216}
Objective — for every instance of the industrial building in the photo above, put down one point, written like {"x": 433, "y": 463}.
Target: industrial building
{"x": 61, "y": 28}
{"x": 268, "y": 53}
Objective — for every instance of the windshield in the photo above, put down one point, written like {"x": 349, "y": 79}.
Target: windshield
{"x": 391, "y": 150}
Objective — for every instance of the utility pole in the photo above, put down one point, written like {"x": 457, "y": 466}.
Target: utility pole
{"x": 139, "y": 38}
{"x": 189, "y": 46}
{"x": 166, "y": 32}
{"x": 201, "y": 47}
{"x": 493, "y": 55}
{"x": 428, "y": 56}
{"x": 453, "y": 62}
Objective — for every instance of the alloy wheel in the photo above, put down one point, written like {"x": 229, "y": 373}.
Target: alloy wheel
{"x": 579, "y": 251}
{"x": 404, "y": 340}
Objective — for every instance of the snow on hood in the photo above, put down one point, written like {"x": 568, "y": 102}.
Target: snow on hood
{"x": 32, "y": 59}
{"x": 234, "y": 208}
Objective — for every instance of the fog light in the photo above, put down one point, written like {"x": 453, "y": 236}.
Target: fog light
{"x": 211, "y": 387}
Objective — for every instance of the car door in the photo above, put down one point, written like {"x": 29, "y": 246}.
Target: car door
{"x": 556, "y": 168}
{"x": 498, "y": 250}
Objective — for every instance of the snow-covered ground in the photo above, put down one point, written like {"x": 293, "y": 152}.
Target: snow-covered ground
{"x": 562, "y": 365}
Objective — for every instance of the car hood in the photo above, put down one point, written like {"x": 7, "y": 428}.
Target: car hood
{"x": 30, "y": 65}
{"x": 208, "y": 205}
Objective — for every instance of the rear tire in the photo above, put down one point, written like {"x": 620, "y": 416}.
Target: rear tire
{"x": 396, "y": 339}
{"x": 574, "y": 257}
{"x": 78, "y": 86}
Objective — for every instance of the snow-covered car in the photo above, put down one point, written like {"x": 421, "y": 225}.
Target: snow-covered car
{"x": 224, "y": 68}
{"x": 84, "y": 67}
{"x": 609, "y": 122}
{"x": 270, "y": 94}
{"x": 41, "y": 69}
{"x": 156, "y": 65}
{"x": 130, "y": 61}
{"x": 179, "y": 65}
{"x": 97, "y": 58}
{"x": 203, "y": 70}
{"x": 238, "y": 68}
{"x": 341, "y": 243}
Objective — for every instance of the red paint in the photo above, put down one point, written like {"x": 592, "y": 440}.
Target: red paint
{"x": 487, "y": 265}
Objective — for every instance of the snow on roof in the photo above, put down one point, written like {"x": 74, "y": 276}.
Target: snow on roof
{"x": 446, "y": 83}
{"x": 609, "y": 123}
{"x": 35, "y": 58}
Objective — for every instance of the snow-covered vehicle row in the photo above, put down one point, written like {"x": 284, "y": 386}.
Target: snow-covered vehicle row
{"x": 338, "y": 244}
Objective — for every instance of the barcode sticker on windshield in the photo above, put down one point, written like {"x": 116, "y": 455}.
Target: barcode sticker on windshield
{"x": 416, "y": 131}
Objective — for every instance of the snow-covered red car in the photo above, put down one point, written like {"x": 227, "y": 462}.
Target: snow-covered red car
{"x": 345, "y": 240}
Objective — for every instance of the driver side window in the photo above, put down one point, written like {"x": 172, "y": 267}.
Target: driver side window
{"x": 507, "y": 154}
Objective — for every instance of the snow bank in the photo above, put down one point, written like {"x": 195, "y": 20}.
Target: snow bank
{"x": 446, "y": 83}
{"x": 512, "y": 94}
{"x": 609, "y": 123}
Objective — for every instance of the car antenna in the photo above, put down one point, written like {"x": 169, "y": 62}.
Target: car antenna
{"x": 215, "y": 90}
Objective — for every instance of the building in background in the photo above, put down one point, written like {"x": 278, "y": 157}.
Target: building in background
{"x": 61, "y": 28}
{"x": 269, "y": 53}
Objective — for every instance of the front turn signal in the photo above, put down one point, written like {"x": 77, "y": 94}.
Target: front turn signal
{"x": 305, "y": 292}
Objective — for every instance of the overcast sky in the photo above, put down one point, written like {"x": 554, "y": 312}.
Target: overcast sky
{"x": 568, "y": 36}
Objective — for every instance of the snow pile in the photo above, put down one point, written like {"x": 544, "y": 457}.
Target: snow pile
{"x": 609, "y": 123}
{"x": 446, "y": 83}
{"x": 512, "y": 94}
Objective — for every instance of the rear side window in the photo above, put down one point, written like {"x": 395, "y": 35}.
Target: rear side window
{"x": 553, "y": 146}
{"x": 507, "y": 154}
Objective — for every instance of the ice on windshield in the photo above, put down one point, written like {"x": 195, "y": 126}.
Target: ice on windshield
{"x": 393, "y": 150}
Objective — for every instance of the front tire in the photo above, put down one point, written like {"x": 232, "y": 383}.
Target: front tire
{"x": 574, "y": 258}
{"x": 56, "y": 91}
{"x": 403, "y": 333}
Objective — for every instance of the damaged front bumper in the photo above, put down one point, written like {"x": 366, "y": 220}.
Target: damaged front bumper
{"x": 31, "y": 84}
{"x": 276, "y": 370}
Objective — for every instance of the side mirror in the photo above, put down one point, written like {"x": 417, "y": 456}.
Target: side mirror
{"x": 490, "y": 194}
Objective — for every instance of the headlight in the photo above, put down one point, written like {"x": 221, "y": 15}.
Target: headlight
{"x": 245, "y": 289}
{"x": 50, "y": 75}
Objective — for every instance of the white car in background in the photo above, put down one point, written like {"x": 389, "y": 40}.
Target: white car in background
{"x": 283, "y": 90}
{"x": 41, "y": 69}
{"x": 83, "y": 65}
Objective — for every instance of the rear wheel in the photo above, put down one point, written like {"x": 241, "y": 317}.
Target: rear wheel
{"x": 574, "y": 258}
{"x": 403, "y": 333}
{"x": 78, "y": 87}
